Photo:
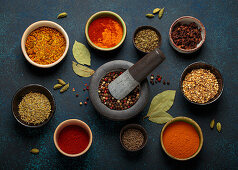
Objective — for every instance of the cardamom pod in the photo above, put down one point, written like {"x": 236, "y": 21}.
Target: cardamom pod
{"x": 61, "y": 82}
{"x": 212, "y": 124}
{"x": 64, "y": 88}
{"x": 57, "y": 86}
{"x": 156, "y": 10}
{"x": 161, "y": 12}
{"x": 62, "y": 15}
{"x": 149, "y": 15}
{"x": 35, "y": 151}
{"x": 218, "y": 126}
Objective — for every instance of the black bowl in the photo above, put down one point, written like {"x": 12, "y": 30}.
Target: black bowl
{"x": 142, "y": 28}
{"x": 134, "y": 126}
{"x": 198, "y": 65}
{"x": 25, "y": 90}
{"x": 118, "y": 115}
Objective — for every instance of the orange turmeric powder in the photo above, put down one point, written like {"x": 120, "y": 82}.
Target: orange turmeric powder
{"x": 105, "y": 32}
{"x": 181, "y": 140}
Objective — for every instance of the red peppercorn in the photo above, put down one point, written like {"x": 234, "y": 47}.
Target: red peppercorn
{"x": 88, "y": 98}
{"x": 159, "y": 79}
{"x": 85, "y": 103}
{"x": 77, "y": 95}
{"x": 84, "y": 89}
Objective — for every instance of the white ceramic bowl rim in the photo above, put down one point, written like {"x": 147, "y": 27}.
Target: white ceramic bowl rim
{"x": 200, "y": 25}
{"x": 33, "y": 27}
{"x": 68, "y": 122}
{"x": 115, "y": 15}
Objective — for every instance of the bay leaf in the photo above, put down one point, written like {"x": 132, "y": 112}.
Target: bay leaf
{"x": 160, "y": 117}
{"x": 81, "y": 53}
{"x": 82, "y": 70}
{"x": 162, "y": 102}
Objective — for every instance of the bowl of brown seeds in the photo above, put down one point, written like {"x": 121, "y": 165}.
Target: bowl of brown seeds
{"x": 33, "y": 105}
{"x": 133, "y": 137}
{"x": 146, "y": 39}
{"x": 201, "y": 83}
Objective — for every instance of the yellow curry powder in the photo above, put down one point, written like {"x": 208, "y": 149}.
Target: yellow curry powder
{"x": 45, "y": 45}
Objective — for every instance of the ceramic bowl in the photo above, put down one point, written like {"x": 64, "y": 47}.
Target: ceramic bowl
{"x": 216, "y": 72}
{"x": 187, "y": 20}
{"x": 197, "y": 128}
{"x": 33, "y": 27}
{"x": 146, "y": 27}
{"x": 100, "y": 15}
{"x": 134, "y": 126}
{"x": 117, "y": 115}
{"x": 75, "y": 122}
{"x": 25, "y": 90}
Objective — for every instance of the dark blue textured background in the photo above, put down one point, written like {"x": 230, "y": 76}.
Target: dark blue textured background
{"x": 220, "y": 150}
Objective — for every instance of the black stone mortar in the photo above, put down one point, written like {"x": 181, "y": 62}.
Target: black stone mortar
{"x": 118, "y": 115}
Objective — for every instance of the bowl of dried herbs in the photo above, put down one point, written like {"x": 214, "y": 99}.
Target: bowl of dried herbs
{"x": 201, "y": 83}
{"x": 33, "y": 105}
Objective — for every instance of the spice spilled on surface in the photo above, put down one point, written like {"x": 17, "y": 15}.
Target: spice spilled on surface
{"x": 200, "y": 85}
{"x": 132, "y": 139}
{"x": 34, "y": 108}
{"x": 108, "y": 100}
{"x": 181, "y": 140}
{"x": 105, "y": 32}
{"x": 45, "y": 45}
{"x": 73, "y": 139}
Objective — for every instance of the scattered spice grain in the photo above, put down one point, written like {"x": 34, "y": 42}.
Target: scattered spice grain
{"x": 132, "y": 139}
{"x": 45, "y": 45}
{"x": 200, "y": 85}
{"x": 34, "y": 108}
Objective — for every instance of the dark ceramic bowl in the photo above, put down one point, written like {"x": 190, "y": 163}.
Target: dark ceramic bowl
{"x": 118, "y": 115}
{"x": 142, "y": 28}
{"x": 25, "y": 90}
{"x": 198, "y": 65}
{"x": 134, "y": 126}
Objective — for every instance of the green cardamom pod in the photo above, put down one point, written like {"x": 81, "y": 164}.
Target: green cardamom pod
{"x": 156, "y": 10}
{"x": 212, "y": 124}
{"x": 57, "y": 86}
{"x": 218, "y": 126}
{"x": 161, "y": 12}
{"x": 35, "y": 151}
{"x": 64, "y": 88}
{"x": 61, "y": 82}
{"x": 62, "y": 15}
{"x": 149, "y": 15}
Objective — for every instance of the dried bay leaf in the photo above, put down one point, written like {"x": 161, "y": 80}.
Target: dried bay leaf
{"x": 82, "y": 70}
{"x": 162, "y": 102}
{"x": 160, "y": 117}
{"x": 81, "y": 53}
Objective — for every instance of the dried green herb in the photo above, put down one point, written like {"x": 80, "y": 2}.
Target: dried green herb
{"x": 35, "y": 151}
{"x": 156, "y": 10}
{"x": 149, "y": 15}
{"x": 81, "y": 53}
{"x": 161, "y": 12}
{"x": 64, "y": 88}
{"x": 161, "y": 103}
{"x": 212, "y": 124}
{"x": 82, "y": 70}
{"x": 218, "y": 126}
{"x": 160, "y": 117}
{"x": 57, "y": 86}
{"x": 61, "y": 82}
{"x": 62, "y": 15}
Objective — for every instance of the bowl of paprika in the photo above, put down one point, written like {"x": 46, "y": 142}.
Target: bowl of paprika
{"x": 105, "y": 31}
{"x": 181, "y": 138}
{"x": 73, "y": 137}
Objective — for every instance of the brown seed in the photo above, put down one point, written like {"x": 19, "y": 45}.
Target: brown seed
{"x": 77, "y": 95}
{"x": 164, "y": 82}
{"x": 168, "y": 82}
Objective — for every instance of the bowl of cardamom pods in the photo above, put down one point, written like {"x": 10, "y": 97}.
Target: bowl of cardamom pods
{"x": 33, "y": 105}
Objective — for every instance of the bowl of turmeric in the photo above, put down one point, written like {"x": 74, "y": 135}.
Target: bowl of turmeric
{"x": 105, "y": 31}
{"x": 181, "y": 138}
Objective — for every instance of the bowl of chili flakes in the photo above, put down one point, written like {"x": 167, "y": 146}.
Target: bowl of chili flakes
{"x": 44, "y": 44}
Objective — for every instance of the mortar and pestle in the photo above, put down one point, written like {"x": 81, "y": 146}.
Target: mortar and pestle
{"x": 133, "y": 76}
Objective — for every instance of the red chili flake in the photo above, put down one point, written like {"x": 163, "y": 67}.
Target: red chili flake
{"x": 84, "y": 89}
{"x": 77, "y": 95}
{"x": 105, "y": 79}
{"x": 87, "y": 87}
{"x": 159, "y": 79}
{"x": 88, "y": 98}
{"x": 164, "y": 82}
{"x": 85, "y": 103}
{"x": 152, "y": 74}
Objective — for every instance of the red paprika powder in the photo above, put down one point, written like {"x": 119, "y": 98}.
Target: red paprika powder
{"x": 73, "y": 139}
{"x": 105, "y": 32}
